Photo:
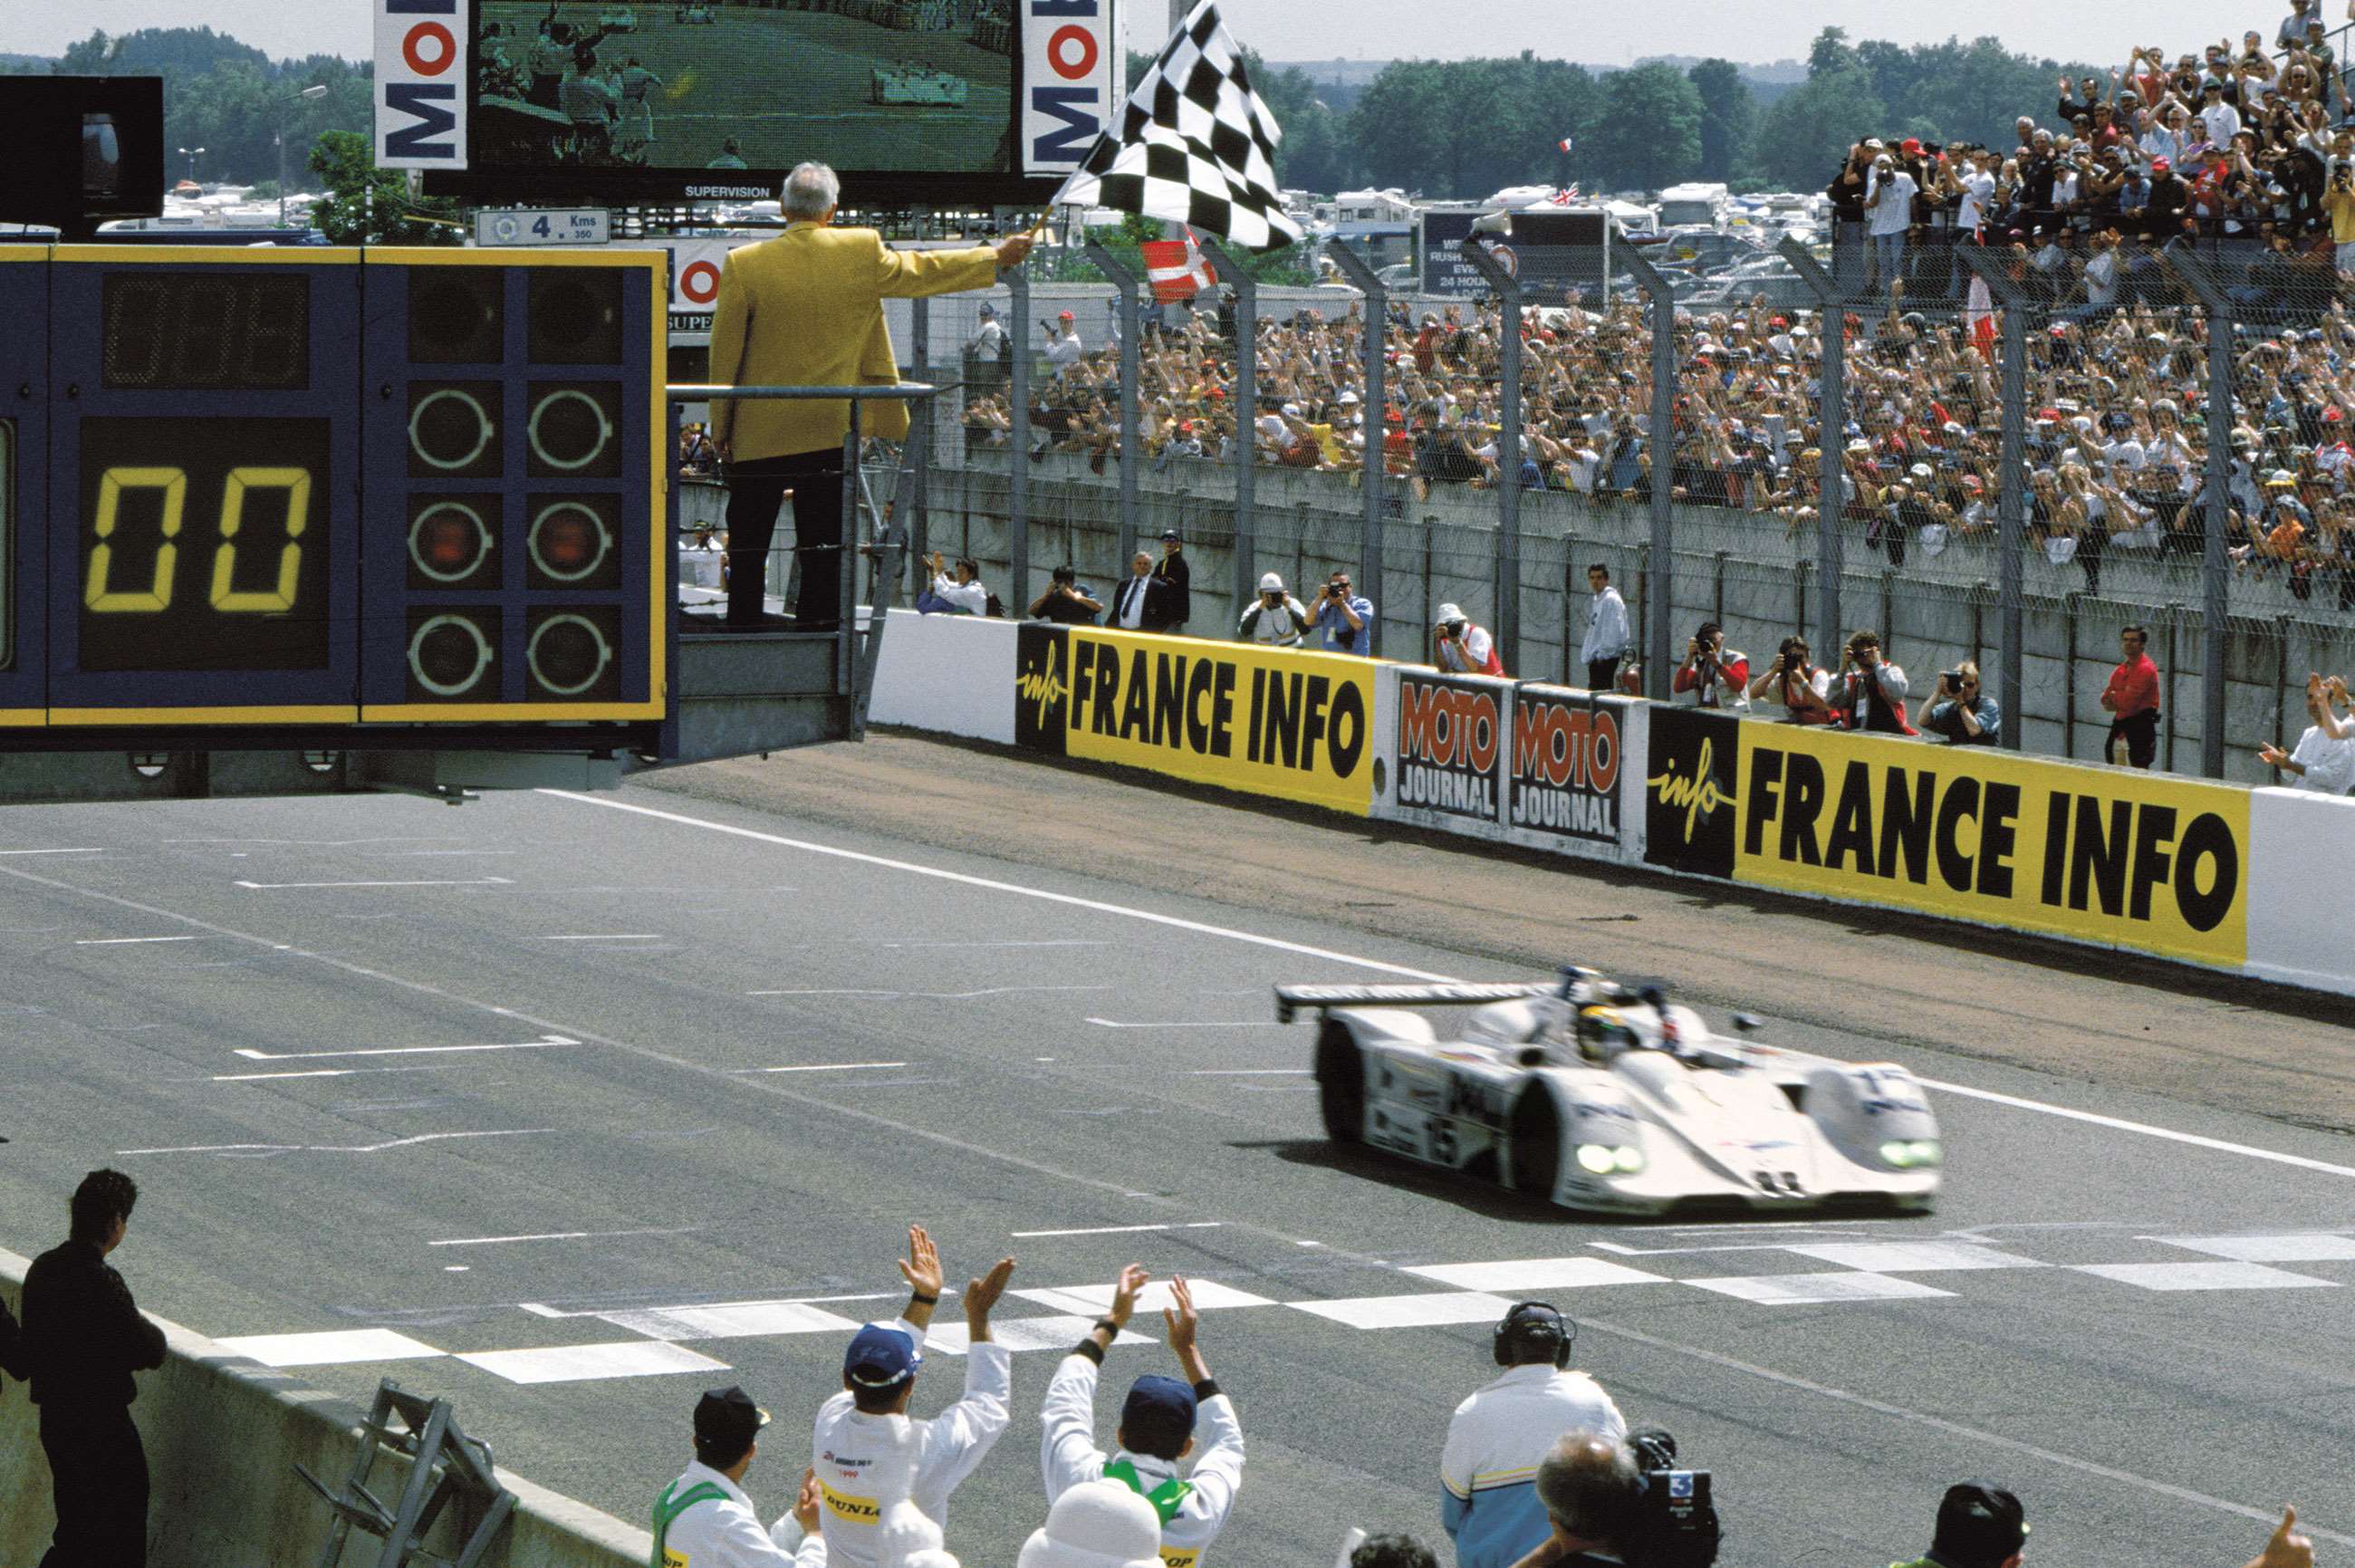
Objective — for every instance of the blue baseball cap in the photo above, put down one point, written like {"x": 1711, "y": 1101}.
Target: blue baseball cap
{"x": 1159, "y": 1413}
{"x": 880, "y": 1357}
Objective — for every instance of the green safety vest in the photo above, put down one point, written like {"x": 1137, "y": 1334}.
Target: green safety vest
{"x": 1166, "y": 1498}
{"x": 667, "y": 1507}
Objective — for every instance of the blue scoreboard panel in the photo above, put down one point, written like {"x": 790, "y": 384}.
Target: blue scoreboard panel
{"x": 383, "y": 499}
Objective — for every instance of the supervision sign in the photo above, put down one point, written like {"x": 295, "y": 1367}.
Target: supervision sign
{"x": 1288, "y": 725}
{"x": 2128, "y": 859}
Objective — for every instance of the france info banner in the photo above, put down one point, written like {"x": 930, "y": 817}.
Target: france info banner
{"x": 421, "y": 84}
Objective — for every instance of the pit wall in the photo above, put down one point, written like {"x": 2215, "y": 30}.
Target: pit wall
{"x": 2247, "y": 881}
{"x": 223, "y": 1435}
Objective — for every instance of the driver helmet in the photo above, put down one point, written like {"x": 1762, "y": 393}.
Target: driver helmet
{"x": 1603, "y": 1034}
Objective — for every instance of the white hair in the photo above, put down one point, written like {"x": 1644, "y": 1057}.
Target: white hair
{"x": 810, "y": 191}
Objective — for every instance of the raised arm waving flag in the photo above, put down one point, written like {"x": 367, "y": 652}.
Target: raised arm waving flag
{"x": 1196, "y": 145}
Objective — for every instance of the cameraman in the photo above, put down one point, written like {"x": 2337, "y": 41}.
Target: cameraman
{"x": 1712, "y": 677}
{"x": 1959, "y": 711}
{"x": 1346, "y": 618}
{"x": 1275, "y": 617}
{"x": 1065, "y": 601}
{"x": 1490, "y": 1506}
{"x": 1798, "y": 683}
{"x": 1868, "y": 693}
{"x": 2338, "y": 205}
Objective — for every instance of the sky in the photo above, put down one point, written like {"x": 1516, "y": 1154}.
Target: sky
{"x": 1757, "y": 31}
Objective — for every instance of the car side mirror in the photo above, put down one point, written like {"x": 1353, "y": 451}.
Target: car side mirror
{"x": 1745, "y": 1022}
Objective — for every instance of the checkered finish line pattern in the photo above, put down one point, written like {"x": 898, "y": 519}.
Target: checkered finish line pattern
{"x": 1860, "y": 1270}
{"x": 1195, "y": 145}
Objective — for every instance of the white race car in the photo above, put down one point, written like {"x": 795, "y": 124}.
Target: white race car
{"x": 1601, "y": 1098}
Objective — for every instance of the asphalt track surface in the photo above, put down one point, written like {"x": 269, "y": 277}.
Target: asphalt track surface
{"x": 813, "y": 999}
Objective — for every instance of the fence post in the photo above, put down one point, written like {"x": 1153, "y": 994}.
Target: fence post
{"x": 2011, "y": 495}
{"x": 1505, "y": 571}
{"x": 919, "y": 464}
{"x": 1831, "y": 422}
{"x": 2213, "y": 608}
{"x": 1245, "y": 550}
{"x": 1374, "y": 421}
{"x": 1131, "y": 437}
{"x": 1018, "y": 457}
{"x": 1660, "y": 583}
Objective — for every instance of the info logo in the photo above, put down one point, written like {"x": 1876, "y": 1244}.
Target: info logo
{"x": 1693, "y": 767}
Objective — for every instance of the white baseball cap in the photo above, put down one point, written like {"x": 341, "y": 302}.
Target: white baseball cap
{"x": 1271, "y": 583}
{"x": 1449, "y": 616}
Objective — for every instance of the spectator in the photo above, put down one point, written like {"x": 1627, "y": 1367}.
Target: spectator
{"x": 11, "y": 1346}
{"x": 1100, "y": 1524}
{"x": 1711, "y": 676}
{"x": 1607, "y": 639}
{"x": 1868, "y": 693}
{"x": 2325, "y": 758}
{"x": 1589, "y": 1486}
{"x": 2286, "y": 1547}
{"x": 1980, "y": 1525}
{"x": 706, "y": 1517}
{"x": 2131, "y": 698}
{"x": 1156, "y": 1427}
{"x": 1275, "y": 617}
{"x": 83, "y": 1337}
{"x": 1889, "y": 204}
{"x": 1141, "y": 603}
{"x": 1067, "y": 601}
{"x": 1391, "y": 1552}
{"x": 1463, "y": 647}
{"x": 1172, "y": 570}
{"x": 1799, "y": 685}
{"x": 1063, "y": 346}
{"x": 858, "y": 1427}
{"x": 961, "y": 595}
{"x": 1960, "y": 711}
{"x": 1489, "y": 1503}
{"x": 1345, "y": 618}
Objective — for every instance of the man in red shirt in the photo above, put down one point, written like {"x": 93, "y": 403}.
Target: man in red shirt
{"x": 2132, "y": 700}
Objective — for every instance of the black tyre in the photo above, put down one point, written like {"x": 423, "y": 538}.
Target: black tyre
{"x": 1341, "y": 1084}
{"x": 1534, "y": 1133}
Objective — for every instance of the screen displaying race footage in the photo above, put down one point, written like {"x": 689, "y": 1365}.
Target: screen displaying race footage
{"x": 918, "y": 86}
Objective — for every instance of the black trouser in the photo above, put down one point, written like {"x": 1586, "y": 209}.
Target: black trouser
{"x": 2141, "y": 733}
{"x": 99, "y": 1473}
{"x": 1602, "y": 675}
{"x": 755, "y": 489}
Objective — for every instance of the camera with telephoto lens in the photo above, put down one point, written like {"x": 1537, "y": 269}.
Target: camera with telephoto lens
{"x": 1674, "y": 1522}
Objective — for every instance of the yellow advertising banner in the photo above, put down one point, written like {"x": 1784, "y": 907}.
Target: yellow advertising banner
{"x": 1274, "y": 722}
{"x": 2137, "y": 861}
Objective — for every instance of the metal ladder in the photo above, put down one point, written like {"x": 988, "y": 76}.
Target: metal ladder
{"x": 445, "y": 1466}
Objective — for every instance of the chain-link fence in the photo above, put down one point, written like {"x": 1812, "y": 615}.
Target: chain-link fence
{"x": 1995, "y": 456}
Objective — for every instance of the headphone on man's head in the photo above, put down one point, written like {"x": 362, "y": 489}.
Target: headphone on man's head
{"x": 1533, "y": 1325}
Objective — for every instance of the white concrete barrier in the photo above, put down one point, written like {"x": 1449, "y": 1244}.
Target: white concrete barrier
{"x": 223, "y": 1435}
{"x": 2302, "y": 910}
{"x": 952, "y": 675}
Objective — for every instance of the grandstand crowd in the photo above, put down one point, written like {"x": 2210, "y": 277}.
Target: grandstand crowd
{"x": 2247, "y": 157}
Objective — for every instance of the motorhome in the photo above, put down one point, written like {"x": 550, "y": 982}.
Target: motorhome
{"x": 1693, "y": 207}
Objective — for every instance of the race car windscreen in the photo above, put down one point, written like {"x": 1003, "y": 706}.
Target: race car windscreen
{"x": 911, "y": 86}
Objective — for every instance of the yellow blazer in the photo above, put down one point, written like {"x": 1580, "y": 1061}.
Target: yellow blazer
{"x": 806, "y": 309}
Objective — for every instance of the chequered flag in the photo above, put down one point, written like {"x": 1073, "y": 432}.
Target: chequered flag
{"x": 1195, "y": 145}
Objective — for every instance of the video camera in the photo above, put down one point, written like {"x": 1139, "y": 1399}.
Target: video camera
{"x": 1674, "y": 1524}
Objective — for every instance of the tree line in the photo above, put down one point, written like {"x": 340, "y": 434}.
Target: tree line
{"x": 1463, "y": 129}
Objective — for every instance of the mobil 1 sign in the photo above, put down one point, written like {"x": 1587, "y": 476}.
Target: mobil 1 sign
{"x": 579, "y": 226}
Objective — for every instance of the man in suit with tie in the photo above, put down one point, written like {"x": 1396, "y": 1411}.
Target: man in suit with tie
{"x": 1142, "y": 602}
{"x": 806, "y": 309}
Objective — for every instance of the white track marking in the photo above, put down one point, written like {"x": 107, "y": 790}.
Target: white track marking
{"x": 544, "y": 1042}
{"x": 2293, "y": 1247}
{"x": 86, "y": 850}
{"x": 2142, "y": 1129}
{"x": 313, "y": 1072}
{"x": 128, "y": 941}
{"x": 559, "y": 1237}
{"x": 336, "y": 1347}
{"x": 338, "y": 1148}
{"x": 1174, "y": 922}
{"x": 2215, "y": 1275}
{"x": 283, "y": 887}
{"x": 826, "y": 1067}
{"x": 582, "y": 1363}
{"x": 1534, "y": 1273}
{"x": 1126, "y": 1230}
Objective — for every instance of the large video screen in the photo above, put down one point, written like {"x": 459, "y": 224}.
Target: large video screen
{"x": 682, "y": 98}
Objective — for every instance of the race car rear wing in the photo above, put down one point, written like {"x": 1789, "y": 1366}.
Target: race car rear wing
{"x": 1292, "y": 1000}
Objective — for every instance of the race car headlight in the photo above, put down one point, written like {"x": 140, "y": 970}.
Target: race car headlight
{"x": 1605, "y": 1161}
{"x": 1915, "y": 1154}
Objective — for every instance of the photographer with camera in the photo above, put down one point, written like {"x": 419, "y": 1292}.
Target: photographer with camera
{"x": 1462, "y": 646}
{"x": 2339, "y": 206}
{"x": 1958, "y": 711}
{"x": 1346, "y": 618}
{"x": 1712, "y": 675}
{"x": 1623, "y": 1502}
{"x": 1868, "y": 693}
{"x": 1066, "y": 601}
{"x": 1489, "y": 1504}
{"x": 1798, "y": 683}
{"x": 1275, "y": 617}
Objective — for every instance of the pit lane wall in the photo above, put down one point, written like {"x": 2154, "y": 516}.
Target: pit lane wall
{"x": 223, "y": 1435}
{"x": 2227, "y": 878}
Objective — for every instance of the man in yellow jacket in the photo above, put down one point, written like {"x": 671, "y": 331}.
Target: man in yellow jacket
{"x": 806, "y": 309}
